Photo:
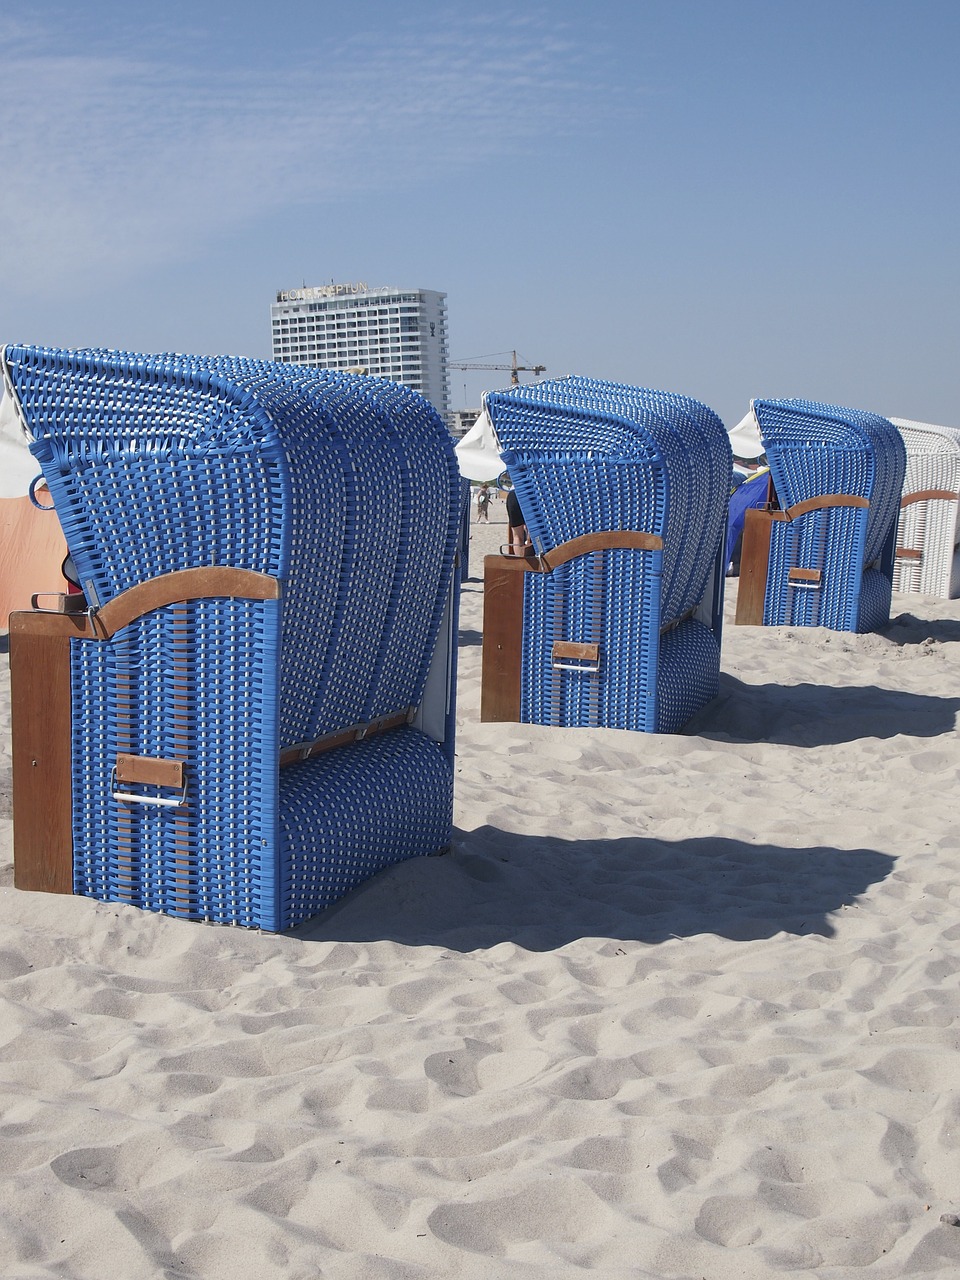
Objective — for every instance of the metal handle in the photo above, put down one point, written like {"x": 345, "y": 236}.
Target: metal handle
{"x": 133, "y": 797}
{"x": 584, "y": 655}
{"x": 32, "y": 493}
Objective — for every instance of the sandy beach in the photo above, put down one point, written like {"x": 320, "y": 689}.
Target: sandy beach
{"x": 680, "y": 1007}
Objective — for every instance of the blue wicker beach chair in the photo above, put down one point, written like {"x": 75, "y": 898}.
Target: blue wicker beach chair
{"x": 823, "y": 555}
{"x": 259, "y": 697}
{"x": 616, "y": 620}
{"x": 928, "y": 539}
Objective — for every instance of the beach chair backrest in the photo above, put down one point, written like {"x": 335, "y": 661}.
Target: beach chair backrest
{"x": 336, "y": 484}
{"x": 587, "y": 455}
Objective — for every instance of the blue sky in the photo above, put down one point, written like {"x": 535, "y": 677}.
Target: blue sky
{"x": 724, "y": 198}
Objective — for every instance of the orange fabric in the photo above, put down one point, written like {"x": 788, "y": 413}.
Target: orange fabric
{"x": 32, "y": 549}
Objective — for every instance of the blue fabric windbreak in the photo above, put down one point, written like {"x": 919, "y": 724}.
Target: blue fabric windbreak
{"x": 752, "y": 492}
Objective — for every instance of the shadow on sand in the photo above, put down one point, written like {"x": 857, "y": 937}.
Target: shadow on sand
{"x": 906, "y": 629}
{"x": 818, "y": 715}
{"x": 497, "y": 886}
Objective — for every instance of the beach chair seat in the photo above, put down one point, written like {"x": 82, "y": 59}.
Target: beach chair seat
{"x": 255, "y": 711}
{"x": 822, "y": 554}
{"x": 616, "y": 620}
{"x": 928, "y": 538}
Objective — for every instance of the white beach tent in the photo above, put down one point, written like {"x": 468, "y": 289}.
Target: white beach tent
{"x": 478, "y": 453}
{"x": 745, "y": 436}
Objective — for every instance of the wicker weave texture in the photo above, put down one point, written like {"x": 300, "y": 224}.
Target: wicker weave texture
{"x": 346, "y": 490}
{"x": 588, "y": 456}
{"x": 930, "y": 526}
{"x": 817, "y": 450}
{"x": 370, "y": 806}
{"x": 609, "y": 599}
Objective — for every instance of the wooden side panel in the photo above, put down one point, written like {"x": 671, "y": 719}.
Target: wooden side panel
{"x": 40, "y": 724}
{"x": 754, "y": 563}
{"x": 502, "y": 633}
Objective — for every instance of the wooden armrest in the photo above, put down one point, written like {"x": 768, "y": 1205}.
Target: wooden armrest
{"x": 825, "y": 500}
{"x": 180, "y": 586}
{"x": 925, "y": 495}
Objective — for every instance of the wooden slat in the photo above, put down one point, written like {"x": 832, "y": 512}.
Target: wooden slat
{"x": 797, "y": 574}
{"x": 754, "y": 565}
{"x": 909, "y": 553}
{"x": 517, "y": 564}
{"x": 58, "y": 602}
{"x": 343, "y": 737}
{"x": 41, "y": 750}
{"x": 502, "y": 633}
{"x": 578, "y": 650}
{"x": 149, "y": 771}
{"x": 30, "y": 622}
{"x": 586, "y": 544}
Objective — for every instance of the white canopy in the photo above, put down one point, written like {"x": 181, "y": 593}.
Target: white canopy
{"x": 478, "y": 453}
{"x": 18, "y": 466}
{"x": 745, "y": 436}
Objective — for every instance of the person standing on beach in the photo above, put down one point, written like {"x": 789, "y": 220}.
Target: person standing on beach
{"x": 520, "y": 541}
{"x": 483, "y": 503}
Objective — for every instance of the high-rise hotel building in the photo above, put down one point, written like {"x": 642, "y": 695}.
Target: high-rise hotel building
{"x": 399, "y": 334}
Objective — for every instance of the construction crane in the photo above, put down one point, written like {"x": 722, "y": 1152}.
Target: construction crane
{"x": 515, "y": 369}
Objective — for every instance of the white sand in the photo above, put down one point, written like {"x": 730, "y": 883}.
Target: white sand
{"x": 673, "y": 1007}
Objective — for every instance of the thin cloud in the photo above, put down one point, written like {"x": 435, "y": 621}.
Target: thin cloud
{"x": 123, "y": 159}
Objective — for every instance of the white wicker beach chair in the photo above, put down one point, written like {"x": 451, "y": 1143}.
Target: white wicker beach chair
{"x": 928, "y": 556}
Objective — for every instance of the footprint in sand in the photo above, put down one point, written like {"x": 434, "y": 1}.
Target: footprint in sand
{"x": 477, "y": 1068}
